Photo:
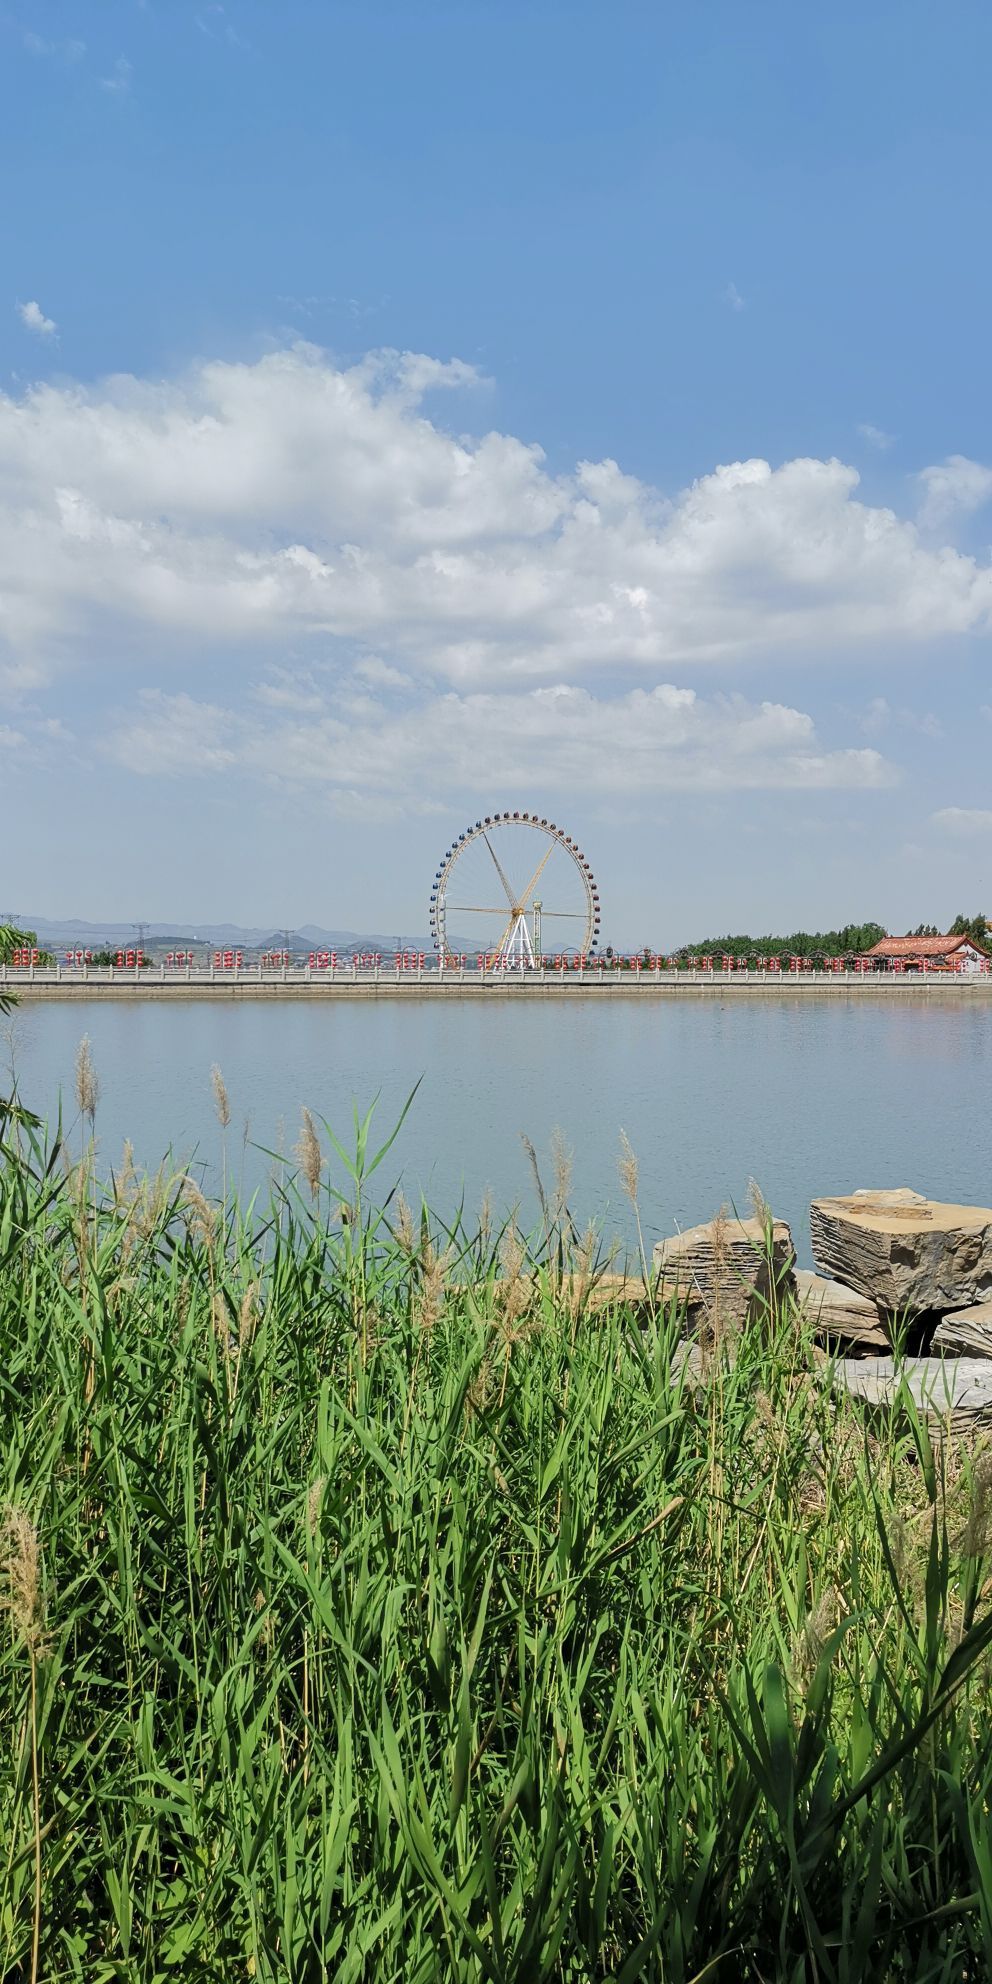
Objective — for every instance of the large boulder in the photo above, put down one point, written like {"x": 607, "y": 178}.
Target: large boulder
{"x": 952, "y": 1393}
{"x": 726, "y": 1267}
{"x": 967, "y": 1331}
{"x": 906, "y": 1253}
{"x": 837, "y": 1311}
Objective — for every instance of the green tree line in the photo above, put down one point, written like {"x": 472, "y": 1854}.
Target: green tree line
{"x": 850, "y": 940}
{"x": 799, "y": 944}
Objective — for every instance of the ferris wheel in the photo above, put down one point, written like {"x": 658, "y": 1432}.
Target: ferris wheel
{"x": 510, "y": 873}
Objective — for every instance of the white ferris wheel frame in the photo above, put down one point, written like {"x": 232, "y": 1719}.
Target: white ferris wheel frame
{"x": 516, "y": 950}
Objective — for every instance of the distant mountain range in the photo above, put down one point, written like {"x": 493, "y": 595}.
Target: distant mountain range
{"x": 76, "y": 933}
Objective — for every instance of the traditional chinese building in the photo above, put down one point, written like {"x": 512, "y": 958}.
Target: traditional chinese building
{"x": 930, "y": 953}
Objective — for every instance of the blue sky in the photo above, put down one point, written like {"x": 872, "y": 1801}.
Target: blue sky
{"x": 409, "y": 409}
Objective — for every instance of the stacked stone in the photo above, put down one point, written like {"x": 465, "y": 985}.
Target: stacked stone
{"x": 728, "y": 1271}
{"x": 918, "y": 1263}
{"x": 886, "y": 1261}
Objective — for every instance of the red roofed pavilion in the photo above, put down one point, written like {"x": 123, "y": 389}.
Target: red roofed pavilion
{"x": 953, "y": 953}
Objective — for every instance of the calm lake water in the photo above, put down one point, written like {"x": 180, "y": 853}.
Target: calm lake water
{"x": 807, "y": 1095}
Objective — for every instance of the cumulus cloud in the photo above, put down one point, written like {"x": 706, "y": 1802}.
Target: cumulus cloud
{"x": 33, "y": 318}
{"x": 954, "y": 488}
{"x": 291, "y": 498}
{"x": 965, "y": 822}
{"x": 442, "y": 604}
{"x": 560, "y": 738}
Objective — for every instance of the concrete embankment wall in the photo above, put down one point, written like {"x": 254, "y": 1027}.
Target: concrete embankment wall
{"x": 157, "y": 983}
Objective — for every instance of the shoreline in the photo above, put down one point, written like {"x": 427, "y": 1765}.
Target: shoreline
{"x": 56, "y": 986}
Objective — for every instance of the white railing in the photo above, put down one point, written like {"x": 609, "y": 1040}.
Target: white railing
{"x": 428, "y": 973}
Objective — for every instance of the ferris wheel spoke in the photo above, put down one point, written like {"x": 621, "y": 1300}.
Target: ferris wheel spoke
{"x": 572, "y": 915}
{"x": 535, "y": 878}
{"x": 505, "y": 938}
{"x": 499, "y": 871}
{"x": 471, "y": 909}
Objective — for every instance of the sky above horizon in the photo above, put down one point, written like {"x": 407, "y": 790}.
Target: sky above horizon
{"x": 412, "y": 410}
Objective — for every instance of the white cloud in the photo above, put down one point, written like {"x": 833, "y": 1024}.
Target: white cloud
{"x": 177, "y": 736}
{"x": 379, "y": 675}
{"x": 247, "y": 504}
{"x": 954, "y": 488}
{"x": 560, "y": 739}
{"x": 213, "y": 23}
{"x": 926, "y": 722}
{"x": 33, "y": 318}
{"x": 876, "y": 436}
{"x": 118, "y": 83}
{"x": 62, "y": 51}
{"x": 285, "y": 690}
{"x": 965, "y": 822}
{"x": 733, "y": 297}
{"x": 879, "y": 715}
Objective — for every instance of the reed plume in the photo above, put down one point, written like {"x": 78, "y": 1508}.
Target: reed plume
{"x": 201, "y": 1217}
{"x": 514, "y": 1290}
{"x": 629, "y": 1169}
{"x": 87, "y": 1081}
{"x": 433, "y": 1277}
{"x": 538, "y": 1181}
{"x": 486, "y": 1219}
{"x": 222, "y": 1103}
{"x": 315, "y": 1502}
{"x": 404, "y": 1231}
{"x": 123, "y": 1182}
{"x": 307, "y": 1153}
{"x": 760, "y": 1208}
{"x": 248, "y": 1315}
{"x": 561, "y": 1163}
{"x": 24, "y": 1597}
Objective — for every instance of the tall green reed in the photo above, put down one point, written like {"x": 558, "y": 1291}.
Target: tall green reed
{"x": 410, "y": 1613}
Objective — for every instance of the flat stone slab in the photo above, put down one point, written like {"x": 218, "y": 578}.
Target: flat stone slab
{"x": 966, "y": 1332}
{"x": 839, "y": 1311}
{"x": 907, "y": 1254}
{"x": 724, "y": 1267}
{"x": 954, "y": 1392}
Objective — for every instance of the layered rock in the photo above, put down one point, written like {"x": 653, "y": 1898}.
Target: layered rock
{"x": 967, "y": 1331}
{"x": 726, "y": 1267}
{"x": 907, "y": 1254}
{"x": 837, "y": 1311}
{"x": 954, "y": 1394}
